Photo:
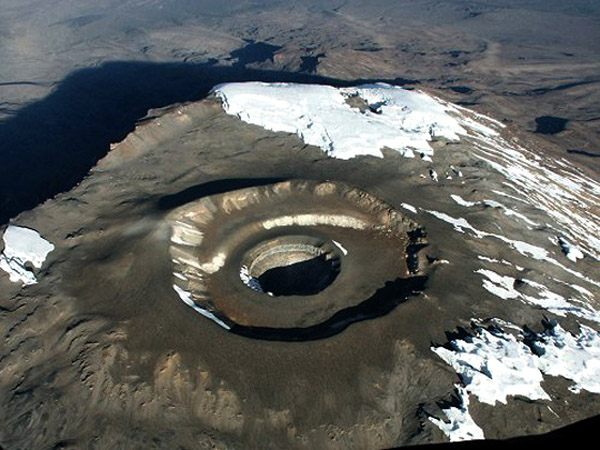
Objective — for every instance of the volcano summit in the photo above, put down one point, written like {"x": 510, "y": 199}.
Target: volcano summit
{"x": 397, "y": 269}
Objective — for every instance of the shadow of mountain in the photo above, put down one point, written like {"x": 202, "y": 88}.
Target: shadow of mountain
{"x": 50, "y": 145}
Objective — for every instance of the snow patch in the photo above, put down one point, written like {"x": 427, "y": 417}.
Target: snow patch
{"x": 571, "y": 251}
{"x": 186, "y": 234}
{"x": 576, "y": 358}
{"x": 315, "y": 219}
{"x": 509, "y": 212}
{"x": 23, "y": 246}
{"x": 187, "y": 299}
{"x": 459, "y": 425}
{"x": 214, "y": 265}
{"x": 494, "y": 204}
{"x": 499, "y": 285}
{"x": 461, "y": 201}
{"x": 493, "y": 366}
{"x": 410, "y": 208}
{"x": 456, "y": 171}
{"x": 249, "y": 280}
{"x": 341, "y": 247}
{"x": 459, "y": 224}
{"x": 504, "y": 287}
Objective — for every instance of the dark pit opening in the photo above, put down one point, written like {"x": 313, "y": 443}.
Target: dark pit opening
{"x": 550, "y": 124}
{"x": 291, "y": 265}
{"x": 303, "y": 278}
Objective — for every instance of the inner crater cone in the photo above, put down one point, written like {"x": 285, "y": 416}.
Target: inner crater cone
{"x": 291, "y": 265}
{"x": 282, "y": 260}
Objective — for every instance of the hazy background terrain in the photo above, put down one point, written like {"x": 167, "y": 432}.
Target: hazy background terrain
{"x": 75, "y": 75}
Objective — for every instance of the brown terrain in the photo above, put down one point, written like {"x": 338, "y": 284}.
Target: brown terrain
{"x": 106, "y": 127}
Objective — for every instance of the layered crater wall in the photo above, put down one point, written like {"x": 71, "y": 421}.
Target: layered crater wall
{"x": 339, "y": 243}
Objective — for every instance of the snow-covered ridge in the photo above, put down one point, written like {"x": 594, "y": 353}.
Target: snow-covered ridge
{"x": 23, "y": 246}
{"x": 402, "y": 120}
{"x": 562, "y": 191}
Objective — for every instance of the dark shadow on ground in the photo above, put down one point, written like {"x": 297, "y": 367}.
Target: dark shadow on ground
{"x": 584, "y": 153}
{"x": 302, "y": 278}
{"x": 382, "y": 302}
{"x": 50, "y": 145}
{"x": 550, "y": 124}
{"x": 212, "y": 188}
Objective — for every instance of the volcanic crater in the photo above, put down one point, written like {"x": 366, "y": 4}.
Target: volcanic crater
{"x": 326, "y": 245}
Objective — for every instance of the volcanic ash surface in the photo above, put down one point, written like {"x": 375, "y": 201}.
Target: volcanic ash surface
{"x": 129, "y": 336}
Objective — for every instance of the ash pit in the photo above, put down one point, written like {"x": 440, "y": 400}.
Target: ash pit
{"x": 294, "y": 260}
{"x": 291, "y": 266}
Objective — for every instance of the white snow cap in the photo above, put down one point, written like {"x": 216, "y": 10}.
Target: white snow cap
{"x": 397, "y": 118}
{"x": 22, "y": 246}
